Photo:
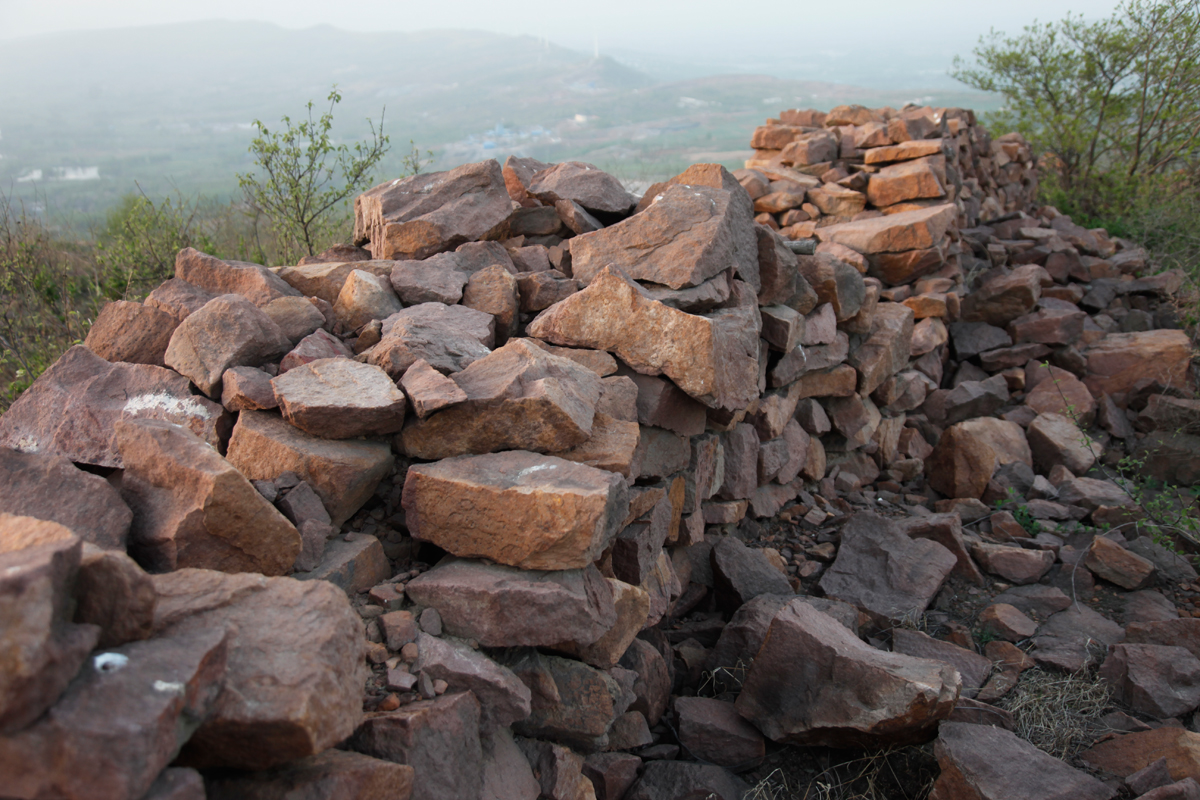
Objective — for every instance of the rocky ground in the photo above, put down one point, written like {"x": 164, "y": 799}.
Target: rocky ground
{"x": 825, "y": 478}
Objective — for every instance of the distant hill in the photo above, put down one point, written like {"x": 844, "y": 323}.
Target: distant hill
{"x": 171, "y": 105}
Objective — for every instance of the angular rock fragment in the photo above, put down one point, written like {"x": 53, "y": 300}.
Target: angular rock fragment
{"x": 663, "y": 779}
{"x": 1156, "y": 680}
{"x": 449, "y": 338}
{"x": 1127, "y": 754}
{"x": 343, "y": 473}
{"x": 430, "y": 213}
{"x": 741, "y": 573}
{"x": 295, "y": 670}
{"x": 713, "y": 731}
{"x": 254, "y": 282}
{"x": 317, "y": 345}
{"x": 115, "y": 594}
{"x": 179, "y": 298}
{"x": 71, "y": 410}
{"x": 333, "y": 774}
{"x": 247, "y": 388}
{"x": 1055, "y": 440}
{"x": 1075, "y": 638}
{"x": 518, "y": 397}
{"x": 131, "y": 332}
{"x": 494, "y": 290}
{"x": 582, "y": 183}
{"x": 1108, "y": 560}
{"x": 714, "y": 358}
{"x": 437, "y": 279}
{"x": 503, "y": 699}
{"x": 337, "y": 398}
{"x": 192, "y": 508}
{"x": 297, "y": 317}
{"x": 815, "y": 683}
{"x": 500, "y": 606}
{"x": 365, "y": 297}
{"x": 229, "y": 331}
{"x": 1116, "y": 363}
{"x": 632, "y": 607}
{"x": 907, "y": 230}
{"x": 885, "y": 352}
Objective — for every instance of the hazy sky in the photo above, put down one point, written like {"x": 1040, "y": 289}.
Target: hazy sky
{"x": 678, "y": 27}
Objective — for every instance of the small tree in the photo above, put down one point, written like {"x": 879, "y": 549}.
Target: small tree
{"x": 306, "y": 179}
{"x": 1114, "y": 104}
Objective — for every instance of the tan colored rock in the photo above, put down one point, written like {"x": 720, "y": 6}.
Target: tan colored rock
{"x": 1127, "y": 754}
{"x": 365, "y": 297}
{"x": 815, "y": 683}
{"x": 1064, "y": 394}
{"x": 837, "y": 201}
{"x": 714, "y": 357}
{"x": 449, "y": 338}
{"x": 894, "y": 233}
{"x": 1006, "y": 438}
{"x": 1120, "y": 360}
{"x": 192, "y": 508}
{"x": 297, "y": 317}
{"x": 518, "y": 397}
{"x": 493, "y": 290}
{"x": 39, "y": 646}
{"x": 962, "y": 463}
{"x": 613, "y": 446}
{"x": 178, "y": 298}
{"x": 72, "y": 408}
{"x": 296, "y": 664}
{"x": 253, "y": 282}
{"x": 429, "y": 390}
{"x": 337, "y": 398}
{"x": 911, "y": 180}
{"x": 344, "y": 473}
{"x": 325, "y": 279}
{"x": 903, "y": 151}
{"x": 905, "y": 267}
{"x": 811, "y": 147}
{"x": 247, "y": 388}
{"x": 835, "y": 282}
{"x": 1056, "y": 440}
{"x": 432, "y": 212}
{"x": 131, "y": 332}
{"x": 516, "y": 508}
{"x": 685, "y": 237}
{"x": 228, "y": 332}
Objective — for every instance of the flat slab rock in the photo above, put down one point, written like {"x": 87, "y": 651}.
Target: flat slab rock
{"x": 884, "y": 572}
{"x": 815, "y": 683}
{"x": 516, "y": 508}
{"x": 337, "y": 398}
{"x": 72, "y": 408}
{"x": 296, "y": 664}
{"x": 980, "y": 762}
{"x": 501, "y": 606}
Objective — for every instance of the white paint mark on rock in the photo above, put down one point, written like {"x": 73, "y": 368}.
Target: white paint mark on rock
{"x": 161, "y": 401}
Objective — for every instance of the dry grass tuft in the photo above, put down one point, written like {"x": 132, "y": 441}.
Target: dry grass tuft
{"x": 1057, "y": 713}
{"x": 904, "y": 773}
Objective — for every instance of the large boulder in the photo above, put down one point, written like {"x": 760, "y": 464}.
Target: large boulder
{"x": 39, "y": 646}
{"x": 50, "y": 487}
{"x": 71, "y": 410}
{"x": 516, "y": 508}
{"x": 518, "y": 397}
{"x": 192, "y": 508}
{"x": 815, "y": 683}
{"x": 430, "y": 213}
{"x": 501, "y": 606}
{"x": 713, "y": 357}
{"x": 343, "y": 473}
{"x": 296, "y": 664}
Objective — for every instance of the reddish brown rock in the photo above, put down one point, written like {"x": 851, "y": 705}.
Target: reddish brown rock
{"x": 315, "y": 346}
{"x": 1063, "y": 394}
{"x": 981, "y": 762}
{"x": 325, "y": 279}
{"x": 500, "y": 606}
{"x": 1006, "y": 297}
{"x": 1052, "y": 326}
{"x": 611, "y": 774}
{"x": 1127, "y": 754}
{"x": 430, "y": 213}
{"x": 192, "y": 508}
{"x": 493, "y": 290}
{"x": 911, "y": 180}
{"x": 131, "y": 332}
{"x": 1184, "y": 632}
{"x": 51, "y": 488}
{"x": 741, "y": 573}
{"x": 337, "y": 398}
{"x": 1156, "y": 680}
{"x": 438, "y": 739}
{"x": 1112, "y": 562}
{"x": 437, "y": 279}
{"x": 815, "y": 683}
{"x": 247, "y": 388}
{"x": 539, "y": 290}
{"x": 228, "y": 332}
{"x": 946, "y": 530}
{"x": 886, "y": 350}
{"x": 344, "y": 474}
{"x": 39, "y": 646}
{"x": 429, "y": 390}
{"x": 71, "y": 410}
{"x": 1055, "y": 440}
{"x": 113, "y": 593}
{"x": 632, "y": 606}
{"x": 365, "y": 297}
{"x": 1015, "y": 564}
{"x": 518, "y": 397}
{"x": 559, "y": 770}
{"x": 713, "y": 731}
{"x": 503, "y": 699}
{"x": 254, "y": 282}
{"x": 333, "y": 774}
{"x": 121, "y": 722}
{"x": 714, "y": 358}
{"x": 1075, "y": 638}
{"x": 582, "y": 183}
{"x": 613, "y": 446}
{"x": 1120, "y": 360}
{"x": 972, "y": 668}
{"x": 450, "y": 338}
{"x": 683, "y": 238}
{"x": 296, "y": 664}
{"x": 837, "y": 201}
{"x": 297, "y": 317}
{"x": 962, "y": 463}
{"x": 516, "y": 508}
{"x": 810, "y": 147}
{"x": 178, "y": 298}
{"x": 1006, "y": 622}
{"x": 904, "y": 150}
{"x": 884, "y": 572}
{"x": 894, "y": 233}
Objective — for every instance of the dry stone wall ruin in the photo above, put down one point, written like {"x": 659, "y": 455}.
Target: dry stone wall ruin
{"x": 461, "y": 509}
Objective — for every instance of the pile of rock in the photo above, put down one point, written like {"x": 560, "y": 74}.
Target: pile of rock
{"x": 577, "y": 405}
{"x": 812, "y": 168}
